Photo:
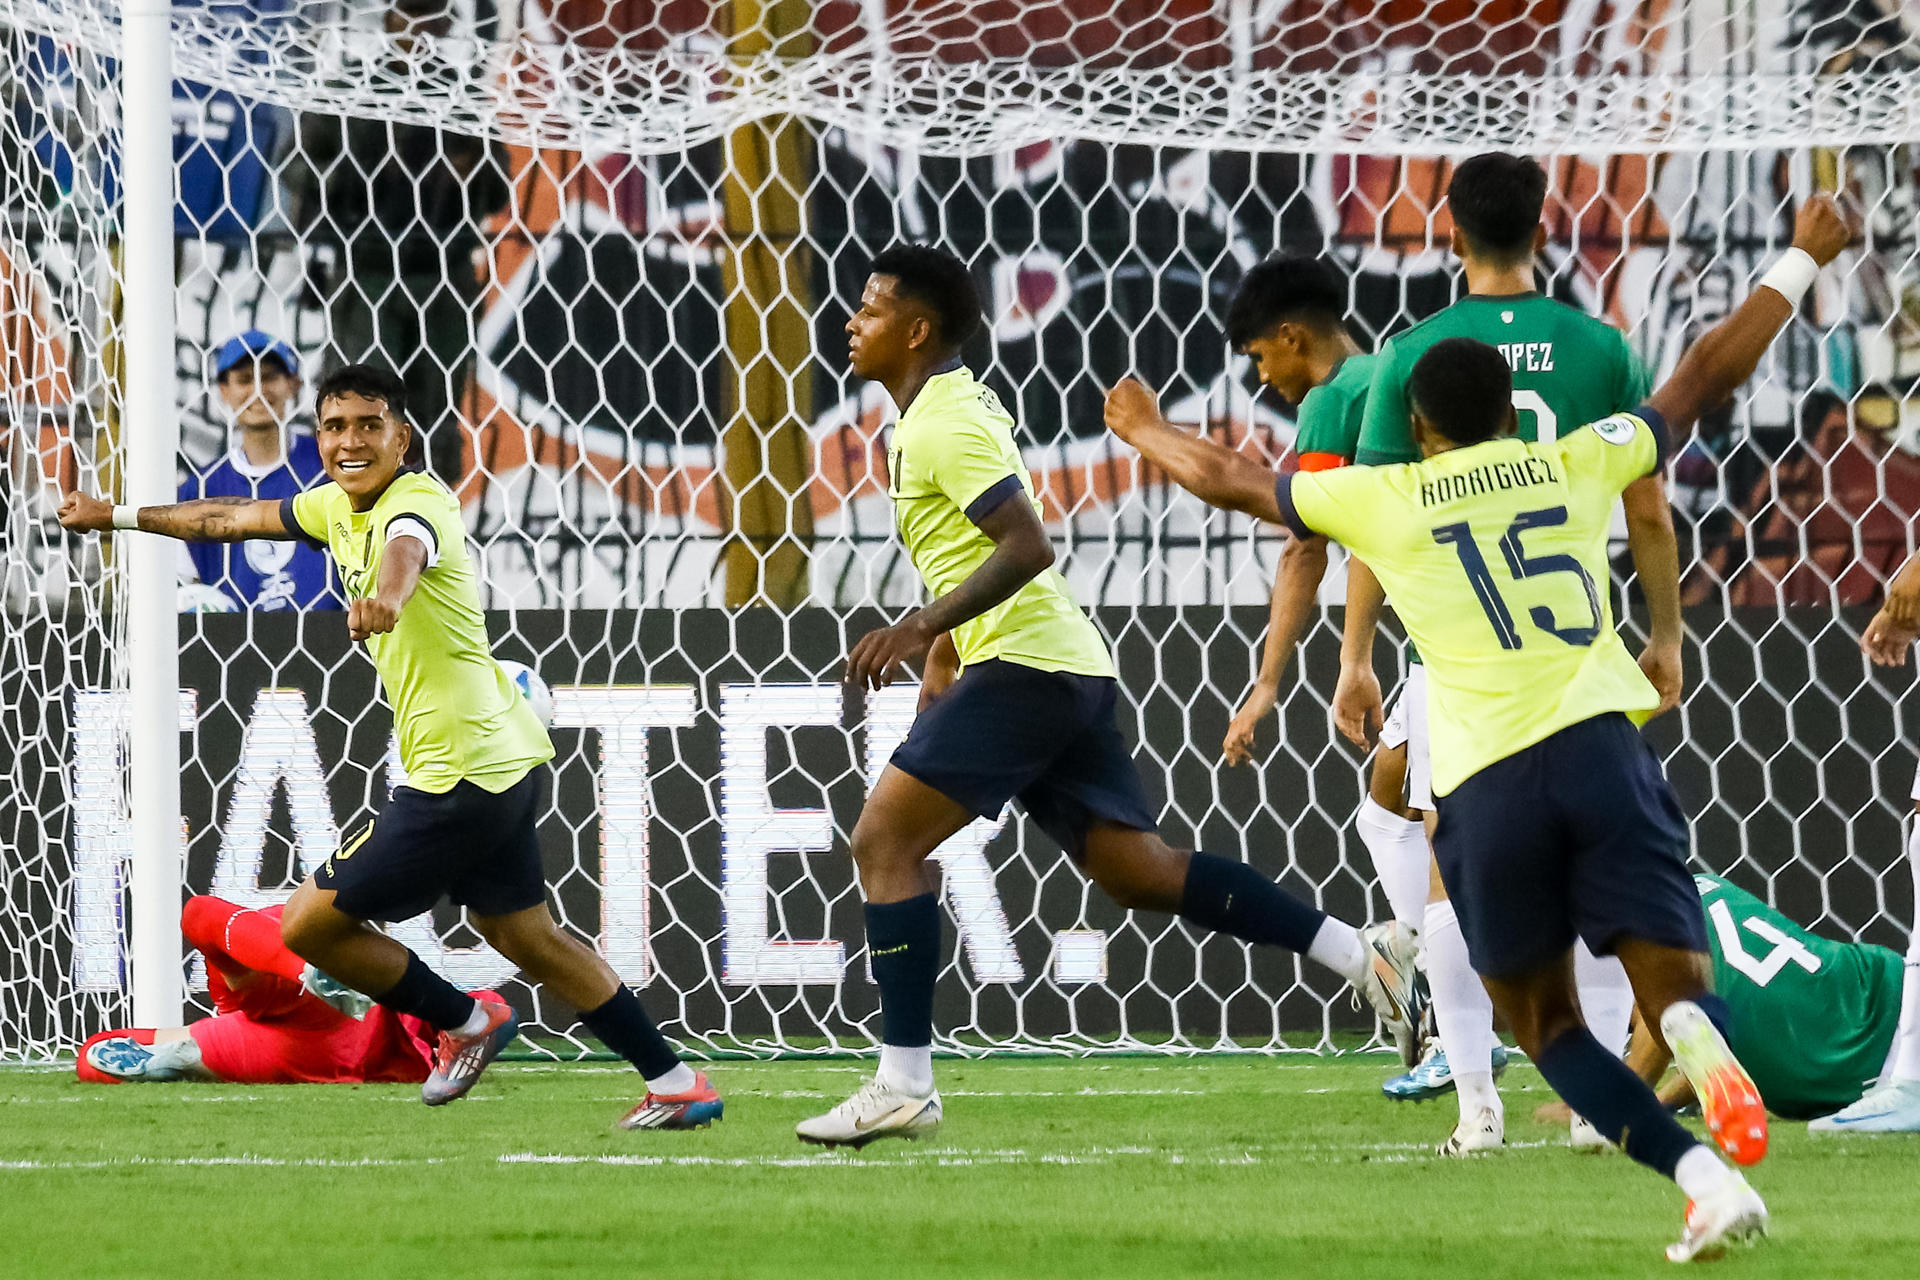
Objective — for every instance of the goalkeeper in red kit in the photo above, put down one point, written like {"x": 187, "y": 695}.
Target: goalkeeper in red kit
{"x": 276, "y": 1021}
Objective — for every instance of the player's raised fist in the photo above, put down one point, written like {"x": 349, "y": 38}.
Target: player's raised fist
{"x": 370, "y": 617}
{"x": 1821, "y": 229}
{"x": 84, "y": 513}
{"x": 1130, "y": 406}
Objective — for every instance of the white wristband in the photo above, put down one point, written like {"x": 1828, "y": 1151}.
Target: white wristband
{"x": 126, "y": 517}
{"x": 1792, "y": 275}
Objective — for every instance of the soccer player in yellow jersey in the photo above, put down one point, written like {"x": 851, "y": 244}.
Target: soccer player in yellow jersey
{"x": 1018, "y": 701}
{"x": 1555, "y": 820}
{"x": 463, "y": 823}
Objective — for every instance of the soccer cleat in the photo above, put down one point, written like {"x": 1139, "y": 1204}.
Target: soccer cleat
{"x": 1485, "y": 1130}
{"x": 1733, "y": 1215}
{"x": 459, "y": 1060}
{"x": 1893, "y": 1107}
{"x": 122, "y": 1058}
{"x": 1433, "y": 1078}
{"x": 332, "y": 991}
{"x": 1393, "y": 984}
{"x": 1729, "y": 1102}
{"x": 697, "y": 1108}
{"x": 876, "y": 1111}
{"x": 1582, "y": 1136}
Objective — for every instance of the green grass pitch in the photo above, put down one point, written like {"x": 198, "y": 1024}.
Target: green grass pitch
{"x": 1157, "y": 1167}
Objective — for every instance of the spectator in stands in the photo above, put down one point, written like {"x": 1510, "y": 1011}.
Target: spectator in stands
{"x": 258, "y": 377}
{"x": 1830, "y": 522}
{"x": 393, "y": 214}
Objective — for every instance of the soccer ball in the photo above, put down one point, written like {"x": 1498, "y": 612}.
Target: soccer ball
{"x": 532, "y": 688}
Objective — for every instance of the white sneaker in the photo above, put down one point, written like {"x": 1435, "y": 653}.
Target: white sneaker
{"x": 1893, "y": 1107}
{"x": 1732, "y": 1215}
{"x": 1483, "y": 1131}
{"x": 876, "y": 1111}
{"x": 1582, "y": 1136}
{"x": 1393, "y": 984}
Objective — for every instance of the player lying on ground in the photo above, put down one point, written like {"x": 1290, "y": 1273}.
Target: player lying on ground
{"x": 269, "y": 1026}
{"x": 1894, "y": 1105}
{"x": 464, "y": 823}
{"x": 1018, "y": 700}
{"x": 1555, "y": 820}
{"x": 1812, "y": 1020}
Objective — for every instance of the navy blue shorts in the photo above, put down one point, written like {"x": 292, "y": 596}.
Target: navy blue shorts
{"x": 1577, "y": 835}
{"x": 1046, "y": 738}
{"x": 468, "y": 844}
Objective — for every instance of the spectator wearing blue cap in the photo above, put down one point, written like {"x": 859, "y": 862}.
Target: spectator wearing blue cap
{"x": 258, "y": 376}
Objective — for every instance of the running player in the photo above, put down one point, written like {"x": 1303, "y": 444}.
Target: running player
{"x": 1568, "y": 368}
{"x": 1555, "y": 821}
{"x": 1813, "y": 1019}
{"x": 464, "y": 824}
{"x": 268, "y": 1027}
{"x": 1894, "y": 1105}
{"x": 1018, "y": 700}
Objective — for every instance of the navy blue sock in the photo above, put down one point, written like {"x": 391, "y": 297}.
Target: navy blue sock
{"x": 1614, "y": 1100}
{"x": 624, "y": 1027}
{"x": 1228, "y": 896}
{"x": 421, "y": 993}
{"x": 903, "y": 942}
{"x": 1717, "y": 1013}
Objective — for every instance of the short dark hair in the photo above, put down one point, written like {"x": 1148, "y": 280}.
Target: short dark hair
{"x": 367, "y": 380}
{"x": 1287, "y": 286}
{"x": 938, "y": 280}
{"x": 1820, "y": 402}
{"x": 1496, "y": 199}
{"x": 1464, "y": 389}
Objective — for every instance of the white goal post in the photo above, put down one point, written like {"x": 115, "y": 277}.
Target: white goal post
{"x": 610, "y": 247}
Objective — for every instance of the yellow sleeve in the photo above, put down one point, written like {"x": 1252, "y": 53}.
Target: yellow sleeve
{"x": 1334, "y": 503}
{"x": 1615, "y": 451}
{"x": 424, "y": 501}
{"x": 968, "y": 459}
{"x": 305, "y": 513}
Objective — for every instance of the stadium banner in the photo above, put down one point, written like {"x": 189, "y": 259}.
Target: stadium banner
{"x": 710, "y": 766}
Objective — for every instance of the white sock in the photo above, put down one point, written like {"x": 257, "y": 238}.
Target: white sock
{"x": 906, "y": 1068}
{"x": 1700, "y": 1173}
{"x": 1476, "y": 1091}
{"x": 1338, "y": 947}
{"x": 476, "y": 1022}
{"x": 1905, "y": 1059}
{"x": 679, "y": 1080}
{"x": 1400, "y": 855}
{"x": 1462, "y": 1010}
{"x": 1606, "y": 997}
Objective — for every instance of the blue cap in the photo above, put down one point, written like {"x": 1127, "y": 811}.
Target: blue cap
{"x": 254, "y": 344}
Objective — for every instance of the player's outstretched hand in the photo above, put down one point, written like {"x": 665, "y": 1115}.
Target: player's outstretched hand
{"x": 1130, "y": 407}
{"x": 84, "y": 513}
{"x": 369, "y": 617}
{"x": 881, "y": 656}
{"x": 1661, "y": 665}
{"x": 1358, "y": 708}
{"x": 1888, "y": 638}
{"x": 1238, "y": 747}
{"x": 1821, "y": 229}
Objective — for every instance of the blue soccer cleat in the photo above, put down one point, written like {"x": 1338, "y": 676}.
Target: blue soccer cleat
{"x": 697, "y": 1108}
{"x": 1433, "y": 1078}
{"x": 126, "y": 1059}
{"x": 459, "y": 1060}
{"x": 1891, "y": 1108}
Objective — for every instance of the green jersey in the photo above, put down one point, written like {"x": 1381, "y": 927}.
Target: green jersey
{"x": 1813, "y": 1019}
{"x": 1568, "y": 369}
{"x": 1328, "y": 432}
{"x": 457, "y": 714}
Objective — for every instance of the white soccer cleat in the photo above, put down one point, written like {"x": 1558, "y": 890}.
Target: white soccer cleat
{"x": 1393, "y": 985}
{"x": 1483, "y": 1131}
{"x": 1583, "y": 1137}
{"x": 1734, "y": 1214}
{"x": 876, "y": 1111}
{"x": 1890, "y": 1108}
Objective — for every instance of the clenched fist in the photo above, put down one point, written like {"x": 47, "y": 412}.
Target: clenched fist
{"x": 1821, "y": 229}
{"x": 371, "y": 616}
{"x": 84, "y": 513}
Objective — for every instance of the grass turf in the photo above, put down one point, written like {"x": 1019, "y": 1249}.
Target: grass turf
{"x": 1148, "y": 1167}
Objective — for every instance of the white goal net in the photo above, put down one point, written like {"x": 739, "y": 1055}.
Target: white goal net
{"x": 611, "y": 246}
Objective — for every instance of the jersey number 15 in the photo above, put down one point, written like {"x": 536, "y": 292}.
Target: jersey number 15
{"x": 1460, "y": 537}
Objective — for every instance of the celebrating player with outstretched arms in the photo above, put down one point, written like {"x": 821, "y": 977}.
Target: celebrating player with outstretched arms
{"x": 1019, "y": 703}
{"x": 464, "y": 823}
{"x": 1555, "y": 820}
